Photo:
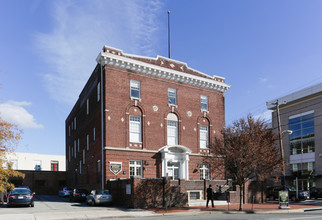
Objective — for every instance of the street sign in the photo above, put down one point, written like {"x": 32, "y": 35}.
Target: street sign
{"x": 283, "y": 199}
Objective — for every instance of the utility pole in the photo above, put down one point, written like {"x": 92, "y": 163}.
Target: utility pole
{"x": 280, "y": 140}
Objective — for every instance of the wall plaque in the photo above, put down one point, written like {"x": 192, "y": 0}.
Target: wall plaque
{"x": 115, "y": 167}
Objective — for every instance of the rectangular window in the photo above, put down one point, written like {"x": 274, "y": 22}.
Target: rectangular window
{"x": 54, "y": 165}
{"x": 69, "y": 130}
{"x": 75, "y": 148}
{"x": 136, "y": 168}
{"x": 83, "y": 156}
{"x": 37, "y": 164}
{"x": 172, "y": 132}
{"x": 87, "y": 106}
{"x": 204, "y": 172}
{"x": 14, "y": 164}
{"x": 75, "y": 123}
{"x": 172, "y": 96}
{"x": 87, "y": 142}
{"x": 135, "y": 89}
{"x": 68, "y": 153}
{"x": 135, "y": 129}
{"x": 204, "y": 137}
{"x": 98, "y": 91}
{"x": 302, "y": 139}
{"x": 204, "y": 102}
{"x": 78, "y": 145}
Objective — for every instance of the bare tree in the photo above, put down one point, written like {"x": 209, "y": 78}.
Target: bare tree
{"x": 246, "y": 150}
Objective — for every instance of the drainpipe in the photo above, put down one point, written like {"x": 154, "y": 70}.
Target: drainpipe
{"x": 102, "y": 125}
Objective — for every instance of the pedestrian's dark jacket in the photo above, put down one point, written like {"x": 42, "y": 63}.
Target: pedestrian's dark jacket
{"x": 209, "y": 192}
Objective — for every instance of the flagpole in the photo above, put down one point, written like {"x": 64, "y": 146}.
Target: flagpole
{"x": 169, "y": 34}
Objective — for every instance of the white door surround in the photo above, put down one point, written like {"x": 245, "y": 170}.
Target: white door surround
{"x": 175, "y": 154}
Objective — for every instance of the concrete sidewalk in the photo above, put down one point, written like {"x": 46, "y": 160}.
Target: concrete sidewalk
{"x": 270, "y": 207}
{"x": 80, "y": 215}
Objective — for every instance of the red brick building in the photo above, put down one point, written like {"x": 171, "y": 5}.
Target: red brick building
{"x": 143, "y": 117}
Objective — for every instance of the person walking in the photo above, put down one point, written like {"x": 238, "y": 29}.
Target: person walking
{"x": 210, "y": 196}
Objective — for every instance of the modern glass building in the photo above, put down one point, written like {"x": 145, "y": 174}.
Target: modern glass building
{"x": 301, "y": 112}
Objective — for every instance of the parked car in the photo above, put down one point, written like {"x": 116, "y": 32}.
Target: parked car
{"x": 99, "y": 197}
{"x": 20, "y": 196}
{"x": 316, "y": 193}
{"x": 23, "y": 187}
{"x": 273, "y": 193}
{"x": 65, "y": 192}
{"x": 78, "y": 195}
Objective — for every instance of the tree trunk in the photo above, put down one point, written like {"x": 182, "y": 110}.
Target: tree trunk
{"x": 241, "y": 196}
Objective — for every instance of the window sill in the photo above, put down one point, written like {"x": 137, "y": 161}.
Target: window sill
{"x": 135, "y": 98}
{"x": 172, "y": 105}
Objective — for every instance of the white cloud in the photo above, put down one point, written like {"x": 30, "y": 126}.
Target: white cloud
{"x": 15, "y": 112}
{"x": 263, "y": 80}
{"x": 81, "y": 29}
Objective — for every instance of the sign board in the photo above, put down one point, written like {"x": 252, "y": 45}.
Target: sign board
{"x": 283, "y": 199}
{"x": 128, "y": 189}
{"x": 115, "y": 167}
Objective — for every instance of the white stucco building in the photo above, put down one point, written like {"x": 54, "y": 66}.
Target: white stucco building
{"x": 40, "y": 162}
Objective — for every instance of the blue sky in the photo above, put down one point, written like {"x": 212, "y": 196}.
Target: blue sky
{"x": 265, "y": 49}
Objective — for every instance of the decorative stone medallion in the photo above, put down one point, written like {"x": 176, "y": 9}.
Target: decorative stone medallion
{"x": 155, "y": 108}
{"x": 189, "y": 113}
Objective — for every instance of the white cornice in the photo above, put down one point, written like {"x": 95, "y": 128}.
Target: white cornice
{"x": 109, "y": 59}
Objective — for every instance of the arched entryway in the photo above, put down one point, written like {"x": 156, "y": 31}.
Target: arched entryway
{"x": 175, "y": 161}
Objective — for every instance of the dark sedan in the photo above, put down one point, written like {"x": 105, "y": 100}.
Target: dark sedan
{"x": 316, "y": 193}
{"x": 78, "y": 195}
{"x": 20, "y": 197}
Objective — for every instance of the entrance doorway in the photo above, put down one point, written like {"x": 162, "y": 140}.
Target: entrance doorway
{"x": 174, "y": 170}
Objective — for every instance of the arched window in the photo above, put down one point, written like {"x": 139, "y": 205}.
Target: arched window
{"x": 172, "y": 129}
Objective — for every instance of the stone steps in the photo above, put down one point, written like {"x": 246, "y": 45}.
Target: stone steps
{"x": 203, "y": 202}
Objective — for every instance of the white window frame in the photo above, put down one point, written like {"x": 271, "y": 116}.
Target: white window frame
{"x": 172, "y": 132}
{"x": 204, "y": 172}
{"x": 135, "y": 86}
{"x": 204, "y": 137}
{"x": 135, "y": 129}
{"x": 204, "y": 103}
{"x": 172, "y": 94}
{"x": 136, "y": 164}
